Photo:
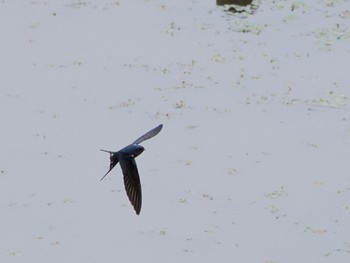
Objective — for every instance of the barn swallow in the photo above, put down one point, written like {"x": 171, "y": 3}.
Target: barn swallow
{"x": 126, "y": 158}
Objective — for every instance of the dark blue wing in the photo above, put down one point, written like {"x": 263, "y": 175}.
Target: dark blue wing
{"x": 131, "y": 181}
{"x": 149, "y": 134}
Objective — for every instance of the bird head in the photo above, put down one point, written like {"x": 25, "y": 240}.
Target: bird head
{"x": 137, "y": 150}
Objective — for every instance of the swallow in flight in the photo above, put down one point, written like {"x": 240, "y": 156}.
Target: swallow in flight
{"x": 126, "y": 158}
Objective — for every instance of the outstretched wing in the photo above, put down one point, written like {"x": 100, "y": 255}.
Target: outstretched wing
{"x": 132, "y": 182}
{"x": 149, "y": 134}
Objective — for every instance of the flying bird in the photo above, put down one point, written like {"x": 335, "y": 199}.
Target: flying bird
{"x": 126, "y": 158}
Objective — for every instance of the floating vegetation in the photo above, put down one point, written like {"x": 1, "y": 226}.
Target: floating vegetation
{"x": 123, "y": 104}
{"x": 207, "y": 196}
{"x": 317, "y": 231}
{"x": 180, "y": 104}
{"x": 335, "y": 101}
{"x": 245, "y": 27}
{"x": 14, "y": 253}
{"x": 328, "y": 36}
{"x": 232, "y": 171}
{"x": 183, "y": 201}
{"x": 218, "y": 58}
{"x": 277, "y": 193}
{"x": 186, "y": 162}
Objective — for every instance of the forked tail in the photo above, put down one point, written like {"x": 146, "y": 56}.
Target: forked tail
{"x": 111, "y": 166}
{"x": 106, "y": 151}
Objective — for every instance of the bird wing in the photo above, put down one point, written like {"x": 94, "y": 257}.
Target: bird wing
{"x": 132, "y": 181}
{"x": 149, "y": 134}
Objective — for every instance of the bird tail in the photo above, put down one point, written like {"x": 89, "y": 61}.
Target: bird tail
{"x": 105, "y": 175}
{"x": 113, "y": 163}
{"x": 106, "y": 151}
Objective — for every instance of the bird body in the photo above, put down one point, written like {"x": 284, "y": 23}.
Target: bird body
{"x": 126, "y": 158}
